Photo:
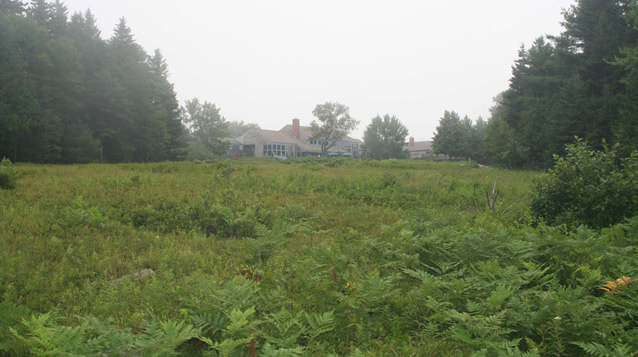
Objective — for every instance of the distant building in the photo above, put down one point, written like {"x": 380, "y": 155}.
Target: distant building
{"x": 423, "y": 150}
{"x": 292, "y": 141}
{"x": 235, "y": 145}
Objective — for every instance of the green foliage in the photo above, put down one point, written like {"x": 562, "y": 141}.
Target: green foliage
{"x": 500, "y": 145}
{"x": 207, "y": 128}
{"x": 10, "y": 319}
{"x": 582, "y": 83}
{"x": 384, "y": 138}
{"x": 357, "y": 258}
{"x": 163, "y": 338}
{"x": 42, "y": 336}
{"x": 596, "y": 349}
{"x": 332, "y": 124}
{"x": 458, "y": 138}
{"x": 69, "y": 96}
{"x": 588, "y": 187}
{"x": 7, "y": 175}
{"x": 238, "y": 128}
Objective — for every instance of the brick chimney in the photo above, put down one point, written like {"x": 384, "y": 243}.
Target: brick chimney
{"x": 412, "y": 141}
{"x": 295, "y": 128}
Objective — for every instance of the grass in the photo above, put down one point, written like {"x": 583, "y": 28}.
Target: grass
{"x": 378, "y": 244}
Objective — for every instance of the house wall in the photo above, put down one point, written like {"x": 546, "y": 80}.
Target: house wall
{"x": 279, "y": 150}
{"x": 250, "y": 138}
{"x": 428, "y": 156}
{"x": 350, "y": 146}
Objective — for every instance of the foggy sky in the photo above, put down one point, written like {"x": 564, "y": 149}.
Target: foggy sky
{"x": 268, "y": 61}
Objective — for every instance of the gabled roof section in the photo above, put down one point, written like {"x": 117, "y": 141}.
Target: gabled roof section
{"x": 306, "y": 133}
{"x": 275, "y": 136}
{"x": 282, "y": 137}
{"x": 419, "y": 146}
{"x": 231, "y": 140}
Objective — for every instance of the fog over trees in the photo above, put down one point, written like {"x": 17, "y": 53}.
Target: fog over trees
{"x": 583, "y": 83}
{"x": 67, "y": 95}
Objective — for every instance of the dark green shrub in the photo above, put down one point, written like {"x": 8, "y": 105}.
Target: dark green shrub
{"x": 7, "y": 176}
{"x": 588, "y": 187}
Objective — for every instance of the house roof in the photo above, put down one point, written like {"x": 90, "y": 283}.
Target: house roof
{"x": 306, "y": 132}
{"x": 231, "y": 140}
{"x": 419, "y": 146}
{"x": 276, "y": 136}
{"x": 283, "y": 137}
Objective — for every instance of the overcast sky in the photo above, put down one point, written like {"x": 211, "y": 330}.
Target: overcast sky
{"x": 268, "y": 61}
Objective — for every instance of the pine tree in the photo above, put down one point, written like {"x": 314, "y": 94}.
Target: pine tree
{"x": 454, "y": 136}
{"x": 12, "y": 7}
{"x": 597, "y": 30}
{"x": 59, "y": 18}
{"x": 625, "y": 129}
{"x": 537, "y": 75}
{"x": 18, "y": 105}
{"x": 90, "y": 25}
{"x": 166, "y": 99}
{"x": 40, "y": 12}
{"x": 123, "y": 44}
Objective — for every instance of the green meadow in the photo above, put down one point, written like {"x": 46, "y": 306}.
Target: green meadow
{"x": 304, "y": 257}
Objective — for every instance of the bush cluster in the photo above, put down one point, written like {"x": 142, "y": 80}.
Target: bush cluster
{"x": 7, "y": 175}
{"x": 592, "y": 188}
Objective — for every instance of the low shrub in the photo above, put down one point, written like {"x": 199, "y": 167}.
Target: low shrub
{"x": 592, "y": 188}
{"x": 7, "y": 175}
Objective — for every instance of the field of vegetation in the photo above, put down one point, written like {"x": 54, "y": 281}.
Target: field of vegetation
{"x": 304, "y": 257}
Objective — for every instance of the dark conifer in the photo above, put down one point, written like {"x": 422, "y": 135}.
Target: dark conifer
{"x": 12, "y": 7}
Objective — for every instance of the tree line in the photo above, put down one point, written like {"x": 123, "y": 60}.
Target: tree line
{"x": 583, "y": 82}
{"x": 70, "y": 96}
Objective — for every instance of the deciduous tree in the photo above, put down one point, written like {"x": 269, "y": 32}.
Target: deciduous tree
{"x": 206, "y": 126}
{"x": 384, "y": 138}
{"x": 333, "y": 123}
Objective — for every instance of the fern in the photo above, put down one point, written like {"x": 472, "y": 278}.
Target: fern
{"x": 228, "y": 346}
{"x": 319, "y": 324}
{"x": 598, "y": 350}
{"x": 272, "y": 351}
{"x": 283, "y": 329}
{"x": 10, "y": 317}
{"x": 237, "y": 294}
{"x": 105, "y": 337}
{"x": 43, "y": 337}
{"x": 268, "y": 240}
{"x": 163, "y": 338}
{"x": 210, "y": 324}
{"x": 238, "y": 332}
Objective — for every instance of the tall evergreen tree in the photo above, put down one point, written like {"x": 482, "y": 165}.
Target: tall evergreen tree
{"x": 122, "y": 139}
{"x": 12, "y": 7}
{"x": 40, "y": 12}
{"x": 66, "y": 95}
{"x": 59, "y": 18}
{"x": 626, "y": 127}
{"x": 165, "y": 99}
{"x": 458, "y": 137}
{"x": 597, "y": 30}
{"x": 571, "y": 87}
{"x": 18, "y": 105}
